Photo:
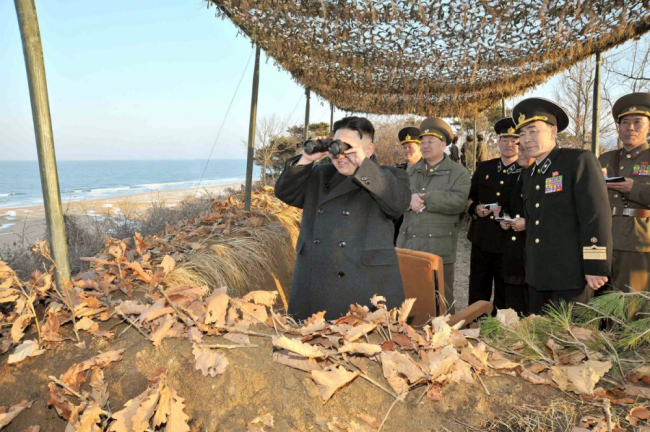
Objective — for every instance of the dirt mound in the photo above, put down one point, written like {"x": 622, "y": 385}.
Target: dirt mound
{"x": 253, "y": 386}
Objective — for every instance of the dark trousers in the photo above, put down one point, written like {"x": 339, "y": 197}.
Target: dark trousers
{"x": 517, "y": 298}
{"x": 484, "y": 269}
{"x": 538, "y": 299}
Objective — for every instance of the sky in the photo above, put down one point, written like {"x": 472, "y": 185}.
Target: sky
{"x": 150, "y": 79}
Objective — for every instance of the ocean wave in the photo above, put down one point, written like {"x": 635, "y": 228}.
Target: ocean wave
{"x": 5, "y": 226}
{"x": 9, "y": 213}
{"x": 105, "y": 190}
{"x": 7, "y": 194}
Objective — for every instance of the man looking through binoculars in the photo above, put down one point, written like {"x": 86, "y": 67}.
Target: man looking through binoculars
{"x": 345, "y": 252}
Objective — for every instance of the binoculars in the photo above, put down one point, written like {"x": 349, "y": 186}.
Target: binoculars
{"x": 334, "y": 147}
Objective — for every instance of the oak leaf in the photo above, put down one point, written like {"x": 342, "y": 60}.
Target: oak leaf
{"x": 405, "y": 310}
{"x": 210, "y": 362}
{"x": 26, "y": 349}
{"x": 287, "y": 358}
{"x": 314, "y": 323}
{"x": 238, "y": 338}
{"x": 131, "y": 307}
{"x": 508, "y": 317}
{"x": 74, "y": 376}
{"x": 637, "y": 391}
{"x": 177, "y": 420}
{"x": 155, "y": 311}
{"x": 377, "y": 301}
{"x": 442, "y": 332}
{"x": 331, "y": 379}
{"x": 90, "y": 419}
{"x": 163, "y": 329}
{"x": 441, "y": 363}
{"x": 358, "y": 331}
{"x": 533, "y": 377}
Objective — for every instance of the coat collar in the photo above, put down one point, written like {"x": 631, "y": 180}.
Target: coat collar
{"x": 509, "y": 168}
{"x": 346, "y": 186}
{"x": 543, "y": 166}
{"x": 443, "y": 165}
{"x": 636, "y": 151}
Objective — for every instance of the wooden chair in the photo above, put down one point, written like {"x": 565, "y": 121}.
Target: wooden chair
{"x": 423, "y": 278}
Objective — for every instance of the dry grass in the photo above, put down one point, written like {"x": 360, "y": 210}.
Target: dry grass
{"x": 243, "y": 261}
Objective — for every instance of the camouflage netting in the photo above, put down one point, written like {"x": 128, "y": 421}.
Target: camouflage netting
{"x": 442, "y": 57}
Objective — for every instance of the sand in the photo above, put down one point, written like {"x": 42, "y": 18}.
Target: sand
{"x": 27, "y": 224}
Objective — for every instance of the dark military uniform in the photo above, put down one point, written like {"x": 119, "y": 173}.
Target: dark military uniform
{"x": 512, "y": 269}
{"x": 568, "y": 222}
{"x": 453, "y": 152}
{"x": 630, "y": 211}
{"x": 345, "y": 251}
{"x": 490, "y": 184}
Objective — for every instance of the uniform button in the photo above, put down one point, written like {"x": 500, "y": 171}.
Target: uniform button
{"x": 537, "y": 205}
{"x": 321, "y": 211}
{"x": 492, "y": 217}
{"x": 498, "y": 193}
{"x": 341, "y": 274}
{"x": 536, "y": 222}
{"x": 504, "y": 171}
{"x": 342, "y": 244}
{"x": 367, "y": 182}
{"x": 413, "y": 235}
{"x": 501, "y": 181}
{"x": 430, "y": 235}
{"x": 317, "y": 242}
{"x": 629, "y": 156}
{"x": 516, "y": 216}
{"x": 514, "y": 238}
{"x": 537, "y": 187}
{"x": 539, "y": 171}
{"x": 536, "y": 240}
{"x": 364, "y": 178}
{"x": 615, "y": 195}
{"x": 346, "y": 213}
{"x": 622, "y": 167}
{"x": 625, "y": 205}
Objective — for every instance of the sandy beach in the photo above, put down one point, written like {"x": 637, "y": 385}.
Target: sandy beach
{"x": 27, "y": 224}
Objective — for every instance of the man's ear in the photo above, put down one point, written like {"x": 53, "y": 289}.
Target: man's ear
{"x": 554, "y": 132}
{"x": 370, "y": 149}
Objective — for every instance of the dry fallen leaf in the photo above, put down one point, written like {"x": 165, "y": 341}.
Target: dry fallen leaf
{"x": 404, "y": 364}
{"x": 264, "y": 298}
{"x": 26, "y": 349}
{"x": 361, "y": 348}
{"x": 405, "y": 310}
{"x": 580, "y": 379}
{"x": 376, "y": 301}
{"x": 331, "y": 379}
{"x": 314, "y": 323}
{"x": 295, "y": 361}
{"x": 637, "y": 391}
{"x": 259, "y": 424}
{"x": 74, "y": 376}
{"x": 216, "y": 306}
{"x": 533, "y": 378}
{"x": 8, "y": 414}
{"x": 508, "y": 317}
{"x": 298, "y": 347}
{"x": 163, "y": 329}
{"x": 210, "y": 362}
{"x": 155, "y": 311}
{"x": 19, "y": 325}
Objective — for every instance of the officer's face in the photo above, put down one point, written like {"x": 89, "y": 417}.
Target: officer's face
{"x": 347, "y": 164}
{"x": 411, "y": 152}
{"x": 633, "y": 130}
{"x": 522, "y": 158}
{"x": 538, "y": 139}
{"x": 432, "y": 148}
{"x": 508, "y": 147}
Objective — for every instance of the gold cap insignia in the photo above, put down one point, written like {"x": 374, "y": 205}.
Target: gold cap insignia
{"x": 631, "y": 109}
{"x": 522, "y": 117}
{"x": 426, "y": 130}
{"x": 408, "y": 138}
{"x": 511, "y": 130}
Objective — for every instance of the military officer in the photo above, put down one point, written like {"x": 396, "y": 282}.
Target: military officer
{"x": 630, "y": 199}
{"x": 568, "y": 221}
{"x": 453, "y": 150}
{"x": 490, "y": 185}
{"x": 513, "y": 270}
{"x": 409, "y": 139}
{"x": 439, "y": 190}
{"x": 345, "y": 251}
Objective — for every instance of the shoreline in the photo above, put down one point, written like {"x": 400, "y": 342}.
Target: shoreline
{"x": 27, "y": 223}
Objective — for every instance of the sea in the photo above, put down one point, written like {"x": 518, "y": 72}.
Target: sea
{"x": 20, "y": 182}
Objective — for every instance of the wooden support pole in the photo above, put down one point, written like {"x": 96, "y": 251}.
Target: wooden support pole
{"x": 307, "y": 96}
{"x": 595, "y": 125}
{"x": 331, "y": 119}
{"x": 475, "y": 145}
{"x": 503, "y": 108}
{"x": 251, "y": 131}
{"x": 35, "y": 65}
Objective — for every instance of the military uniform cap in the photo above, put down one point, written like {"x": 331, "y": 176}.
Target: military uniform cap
{"x": 433, "y": 126}
{"x": 633, "y": 103}
{"x": 409, "y": 134}
{"x": 506, "y": 127}
{"x": 533, "y": 109}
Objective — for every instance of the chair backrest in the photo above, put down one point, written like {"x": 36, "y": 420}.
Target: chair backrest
{"x": 422, "y": 275}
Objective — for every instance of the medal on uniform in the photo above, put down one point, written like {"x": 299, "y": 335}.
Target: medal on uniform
{"x": 554, "y": 183}
{"x": 643, "y": 169}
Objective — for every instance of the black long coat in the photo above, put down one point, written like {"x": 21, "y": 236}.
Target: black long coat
{"x": 515, "y": 241}
{"x": 490, "y": 184}
{"x": 345, "y": 251}
{"x": 568, "y": 221}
